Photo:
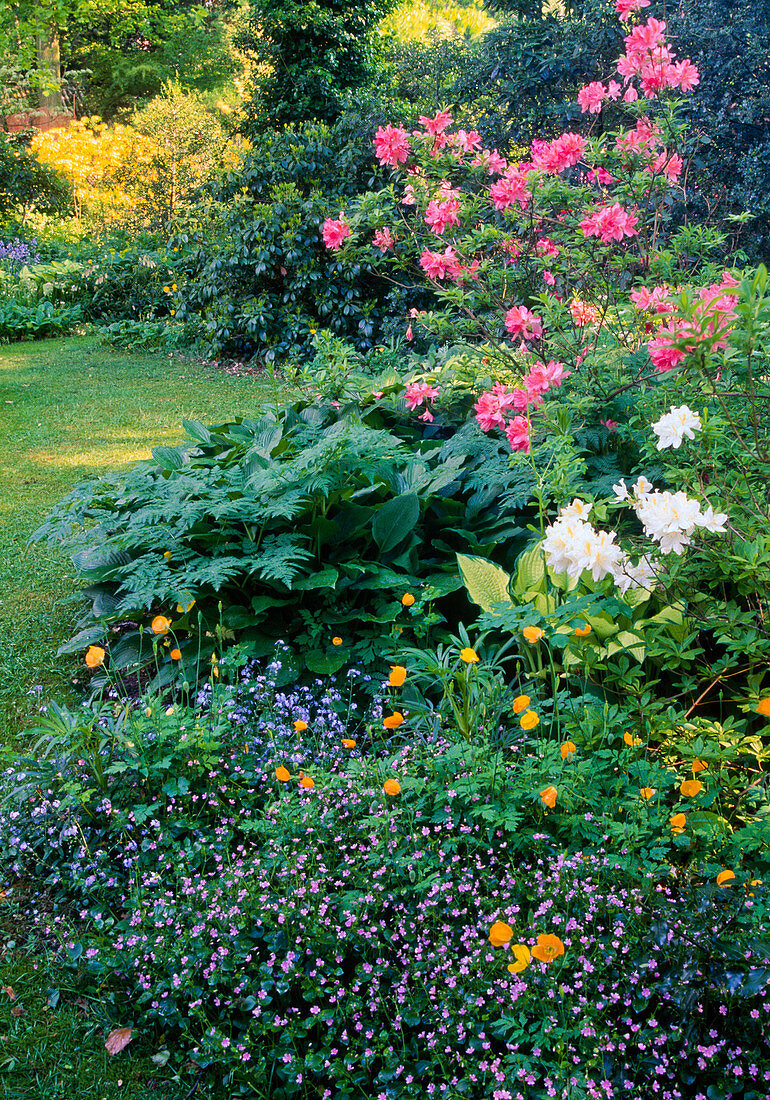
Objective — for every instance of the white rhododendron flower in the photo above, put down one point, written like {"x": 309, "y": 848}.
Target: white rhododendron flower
{"x": 641, "y": 487}
{"x": 579, "y": 509}
{"x": 675, "y": 425}
{"x": 620, "y": 490}
{"x": 642, "y": 575}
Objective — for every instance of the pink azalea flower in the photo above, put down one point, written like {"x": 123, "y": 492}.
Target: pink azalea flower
{"x": 419, "y": 393}
{"x": 610, "y": 223}
{"x": 391, "y": 145}
{"x": 466, "y": 142}
{"x": 520, "y": 321}
{"x": 548, "y": 277}
{"x": 409, "y": 199}
{"x": 625, "y": 7}
{"x": 591, "y": 97}
{"x": 439, "y": 123}
{"x": 437, "y": 265}
{"x": 683, "y": 75}
{"x": 655, "y": 300}
{"x": 555, "y": 156}
{"x": 441, "y": 216}
{"x": 582, "y": 313}
{"x": 334, "y": 232}
{"x": 601, "y": 176}
{"x": 510, "y": 188}
{"x": 517, "y": 431}
{"x": 610, "y": 425}
{"x": 384, "y": 239}
{"x": 546, "y": 247}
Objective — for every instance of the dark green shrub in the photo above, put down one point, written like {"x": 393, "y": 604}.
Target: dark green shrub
{"x": 265, "y": 279}
{"x": 306, "y": 524}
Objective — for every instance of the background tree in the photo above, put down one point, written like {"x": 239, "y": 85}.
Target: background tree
{"x": 307, "y": 54}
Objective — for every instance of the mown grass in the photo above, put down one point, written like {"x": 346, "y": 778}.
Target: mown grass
{"x": 69, "y": 410}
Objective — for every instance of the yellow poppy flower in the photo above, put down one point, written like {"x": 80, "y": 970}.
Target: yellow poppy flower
{"x": 631, "y": 741}
{"x": 533, "y": 634}
{"x": 691, "y": 787}
{"x": 763, "y": 706}
{"x": 529, "y": 720}
{"x": 407, "y": 599}
{"x": 548, "y": 795}
{"x": 160, "y": 625}
{"x": 500, "y": 933}
{"x": 393, "y": 721}
{"x": 699, "y": 766}
{"x": 547, "y": 948}
{"x": 337, "y": 641}
{"x": 392, "y": 787}
{"x": 646, "y": 793}
{"x": 184, "y": 608}
{"x": 569, "y": 748}
{"x": 725, "y": 878}
{"x": 582, "y": 631}
{"x": 522, "y": 955}
{"x": 520, "y": 703}
{"x": 470, "y": 656}
{"x": 349, "y": 742}
{"x": 677, "y": 823}
{"x": 95, "y": 656}
{"x": 282, "y": 774}
{"x": 397, "y": 676}
{"x": 175, "y": 654}
{"x": 306, "y": 782}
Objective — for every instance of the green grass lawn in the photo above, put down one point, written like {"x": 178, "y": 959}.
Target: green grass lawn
{"x": 71, "y": 409}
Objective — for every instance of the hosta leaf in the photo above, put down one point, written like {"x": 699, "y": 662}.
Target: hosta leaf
{"x": 487, "y": 583}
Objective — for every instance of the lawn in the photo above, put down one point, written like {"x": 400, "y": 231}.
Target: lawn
{"x": 71, "y": 409}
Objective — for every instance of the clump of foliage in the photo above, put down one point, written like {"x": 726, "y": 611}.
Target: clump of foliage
{"x": 307, "y": 55}
{"x": 26, "y": 185}
{"x": 309, "y": 523}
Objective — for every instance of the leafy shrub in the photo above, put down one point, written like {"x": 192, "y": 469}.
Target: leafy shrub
{"x": 265, "y": 279}
{"x": 38, "y": 299}
{"x": 25, "y": 184}
{"x": 307, "y": 524}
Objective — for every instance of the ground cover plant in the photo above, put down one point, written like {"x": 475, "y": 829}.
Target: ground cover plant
{"x": 426, "y": 750}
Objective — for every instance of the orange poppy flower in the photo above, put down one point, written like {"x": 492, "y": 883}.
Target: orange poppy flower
{"x": 407, "y": 599}
{"x": 763, "y": 706}
{"x": 349, "y": 742}
{"x": 95, "y": 656}
{"x": 547, "y": 948}
{"x": 175, "y": 655}
{"x": 646, "y": 793}
{"x": 529, "y": 720}
{"x": 569, "y": 748}
{"x": 392, "y": 787}
{"x": 160, "y": 625}
{"x": 725, "y": 878}
{"x": 582, "y": 631}
{"x": 282, "y": 774}
{"x": 548, "y": 795}
{"x": 677, "y": 823}
{"x": 500, "y": 933}
{"x": 393, "y": 721}
{"x": 300, "y": 726}
{"x": 397, "y": 676}
{"x": 691, "y": 787}
{"x": 522, "y": 955}
{"x": 520, "y": 703}
{"x": 631, "y": 741}
{"x": 699, "y": 766}
{"x": 306, "y": 782}
{"x": 337, "y": 641}
{"x": 533, "y": 634}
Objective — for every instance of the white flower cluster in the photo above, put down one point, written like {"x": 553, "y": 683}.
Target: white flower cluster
{"x": 572, "y": 544}
{"x": 675, "y": 425}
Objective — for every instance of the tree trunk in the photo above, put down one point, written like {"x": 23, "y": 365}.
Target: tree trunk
{"x": 49, "y": 66}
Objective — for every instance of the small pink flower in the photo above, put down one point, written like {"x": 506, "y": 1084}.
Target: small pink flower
{"x": 384, "y": 239}
{"x": 548, "y": 278}
{"x": 517, "y": 431}
{"x": 334, "y": 232}
{"x": 625, "y": 7}
{"x": 520, "y": 321}
{"x": 441, "y": 216}
{"x": 418, "y": 393}
{"x": 591, "y": 97}
{"x": 391, "y": 145}
{"x": 438, "y": 265}
{"x": 610, "y": 425}
{"x": 438, "y": 124}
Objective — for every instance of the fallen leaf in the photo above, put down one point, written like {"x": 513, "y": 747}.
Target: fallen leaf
{"x": 118, "y": 1039}
{"x": 9, "y": 992}
{"x": 17, "y": 1010}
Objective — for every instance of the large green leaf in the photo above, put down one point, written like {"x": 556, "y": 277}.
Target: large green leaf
{"x": 395, "y": 520}
{"x": 487, "y": 583}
